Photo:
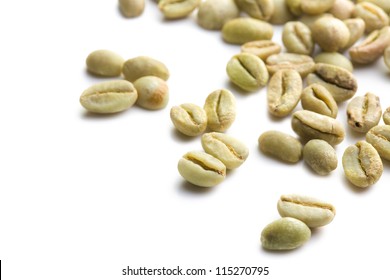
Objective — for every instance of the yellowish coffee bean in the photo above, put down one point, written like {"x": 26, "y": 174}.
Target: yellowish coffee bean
{"x": 220, "y": 107}
{"x": 342, "y": 9}
{"x": 356, "y": 27}
{"x": 320, "y": 156}
{"x": 386, "y": 116}
{"x": 261, "y": 48}
{"x": 189, "y": 119}
{"x": 316, "y": 7}
{"x": 109, "y": 97}
{"x": 309, "y": 20}
{"x": 173, "y": 9}
{"x": 384, "y": 4}
{"x": 141, "y": 66}
{"x": 153, "y": 92}
{"x": 303, "y": 64}
{"x": 386, "y": 57}
{"x": 132, "y": 8}
{"x": 379, "y": 137}
{"x": 104, "y": 63}
{"x": 297, "y": 38}
{"x": 374, "y": 17}
{"x": 260, "y": 9}
{"x": 213, "y": 14}
{"x": 331, "y": 34}
{"x": 317, "y": 98}
{"x": 281, "y": 14}
{"x": 334, "y": 58}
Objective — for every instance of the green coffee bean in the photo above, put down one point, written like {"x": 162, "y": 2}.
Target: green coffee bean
{"x": 364, "y": 112}
{"x": 172, "y": 9}
{"x": 132, "y": 8}
{"x": 285, "y": 234}
{"x": 340, "y": 82}
{"x": 334, "y": 58}
{"x": 331, "y": 34}
{"x": 260, "y": 9}
{"x": 201, "y": 169}
{"x": 372, "y": 48}
{"x": 141, "y": 66}
{"x": 220, "y": 108}
{"x": 309, "y": 20}
{"x": 356, "y": 27}
{"x": 284, "y": 92}
{"x": 281, "y": 13}
{"x": 374, "y": 17}
{"x": 153, "y": 92}
{"x": 362, "y": 165}
{"x": 189, "y": 119}
{"x": 109, "y": 97}
{"x": 304, "y": 64}
{"x": 261, "y": 48}
{"x": 379, "y": 137}
{"x": 281, "y": 146}
{"x": 318, "y": 99}
{"x": 247, "y": 71}
{"x": 384, "y": 4}
{"x": 309, "y": 125}
{"x": 386, "y": 57}
{"x": 213, "y": 14}
{"x": 227, "y": 149}
{"x": 104, "y": 63}
{"x": 242, "y": 30}
{"x": 320, "y": 156}
{"x": 297, "y": 38}
{"x": 312, "y": 211}
{"x": 342, "y": 9}
{"x": 386, "y": 116}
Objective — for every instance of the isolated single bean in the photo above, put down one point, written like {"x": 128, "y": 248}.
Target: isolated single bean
{"x": 261, "y": 48}
{"x": 141, "y": 66}
{"x": 284, "y": 92}
{"x": 213, "y": 14}
{"x": 304, "y": 64}
{"x": 281, "y": 146}
{"x": 386, "y": 116}
{"x": 374, "y": 17}
{"x": 379, "y": 137}
{"x": 260, "y": 9}
{"x": 372, "y": 48}
{"x": 220, "y": 107}
{"x": 172, "y": 9}
{"x": 109, "y": 97}
{"x": 297, "y": 38}
{"x": 340, "y": 82}
{"x": 310, "y": 125}
{"x": 189, "y": 119}
{"x": 334, "y": 58}
{"x": 227, "y": 149}
{"x": 331, "y": 34}
{"x": 318, "y": 99}
{"x": 104, "y": 63}
{"x": 312, "y": 211}
{"x": 320, "y": 156}
{"x": 285, "y": 234}
{"x": 364, "y": 112}
{"x": 356, "y": 27}
{"x": 242, "y": 30}
{"x": 153, "y": 92}
{"x": 201, "y": 169}
{"x": 247, "y": 71}
{"x": 362, "y": 164}
{"x": 132, "y": 8}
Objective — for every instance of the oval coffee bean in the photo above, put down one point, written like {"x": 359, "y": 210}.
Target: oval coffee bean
{"x": 316, "y": 7}
{"x": 340, "y": 82}
{"x": 312, "y": 211}
{"x": 220, "y": 107}
{"x": 362, "y": 164}
{"x": 356, "y": 27}
{"x": 261, "y": 48}
{"x": 317, "y": 98}
{"x": 242, "y": 30}
{"x": 320, "y": 156}
{"x": 285, "y": 234}
{"x": 227, "y": 149}
{"x": 342, "y": 9}
{"x": 374, "y": 17}
{"x": 364, "y": 112}
{"x": 189, "y": 119}
{"x": 141, "y": 66}
{"x": 132, "y": 8}
{"x": 284, "y": 92}
{"x": 331, "y": 34}
{"x": 213, "y": 14}
{"x": 386, "y": 57}
{"x": 304, "y": 64}
{"x": 386, "y": 116}
{"x": 297, "y": 38}
{"x": 177, "y": 8}
{"x": 281, "y": 13}
{"x": 259, "y": 9}
{"x": 379, "y": 137}
{"x": 309, "y": 125}
{"x": 104, "y": 63}
{"x": 201, "y": 169}
{"x": 153, "y": 92}
{"x": 247, "y": 71}
{"x": 281, "y": 146}
{"x": 372, "y": 47}
{"x": 109, "y": 97}
{"x": 334, "y": 58}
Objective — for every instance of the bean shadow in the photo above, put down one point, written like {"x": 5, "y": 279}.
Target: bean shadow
{"x": 187, "y": 187}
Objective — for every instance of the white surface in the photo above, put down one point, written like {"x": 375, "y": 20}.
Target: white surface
{"x": 83, "y": 196}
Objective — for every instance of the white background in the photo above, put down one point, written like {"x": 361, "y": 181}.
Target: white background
{"x": 83, "y": 196}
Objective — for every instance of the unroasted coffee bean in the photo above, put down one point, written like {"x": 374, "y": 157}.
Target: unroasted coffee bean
{"x": 372, "y": 47}
{"x": 304, "y": 64}
{"x": 132, "y": 8}
{"x": 220, "y": 107}
{"x": 312, "y": 211}
{"x": 331, "y": 34}
{"x": 261, "y": 48}
{"x": 104, "y": 63}
{"x": 334, "y": 58}
{"x": 189, "y": 119}
{"x": 213, "y": 14}
{"x": 309, "y": 125}
{"x": 340, "y": 82}
{"x": 320, "y": 156}
{"x": 281, "y": 146}
{"x": 260, "y": 9}
{"x": 364, "y": 112}
{"x": 342, "y": 9}
{"x": 318, "y": 99}
{"x": 374, "y": 17}
{"x": 297, "y": 38}
{"x": 281, "y": 13}
{"x": 177, "y": 8}
{"x": 362, "y": 164}
{"x": 141, "y": 66}
{"x": 242, "y": 30}
{"x": 356, "y": 27}
{"x": 153, "y": 92}
{"x": 386, "y": 116}
{"x": 386, "y": 57}
{"x": 379, "y": 137}
{"x": 284, "y": 92}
